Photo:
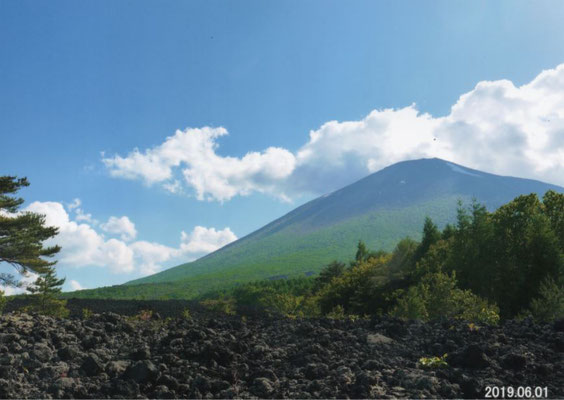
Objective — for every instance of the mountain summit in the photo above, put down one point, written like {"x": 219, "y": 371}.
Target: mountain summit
{"x": 379, "y": 209}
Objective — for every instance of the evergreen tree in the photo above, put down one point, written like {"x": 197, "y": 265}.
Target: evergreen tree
{"x": 402, "y": 263}
{"x": 526, "y": 251}
{"x": 22, "y": 234}
{"x": 45, "y": 290}
{"x": 473, "y": 250}
{"x": 431, "y": 235}
{"x": 361, "y": 252}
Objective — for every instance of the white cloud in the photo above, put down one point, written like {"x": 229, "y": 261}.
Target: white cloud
{"x": 74, "y": 204}
{"x": 210, "y": 175}
{"x": 75, "y": 285}
{"x": 120, "y": 226}
{"x": 82, "y": 246}
{"x": 151, "y": 256}
{"x": 173, "y": 187}
{"x": 497, "y": 127}
{"x": 80, "y": 214}
{"x": 340, "y": 152}
{"x": 205, "y": 240}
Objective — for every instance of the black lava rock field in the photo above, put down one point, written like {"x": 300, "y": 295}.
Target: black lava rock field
{"x": 208, "y": 355}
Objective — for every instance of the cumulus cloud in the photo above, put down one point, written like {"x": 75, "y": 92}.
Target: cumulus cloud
{"x": 211, "y": 176}
{"x": 497, "y": 127}
{"x": 120, "y": 226}
{"x": 205, "y": 240}
{"x": 151, "y": 256}
{"x": 83, "y": 246}
{"x": 340, "y": 152}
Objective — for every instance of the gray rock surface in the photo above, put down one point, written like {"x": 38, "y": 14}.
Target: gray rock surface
{"x": 218, "y": 356}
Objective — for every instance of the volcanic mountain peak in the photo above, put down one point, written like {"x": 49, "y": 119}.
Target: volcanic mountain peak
{"x": 379, "y": 209}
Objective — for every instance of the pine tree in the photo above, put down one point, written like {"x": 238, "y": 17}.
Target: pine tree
{"x": 22, "y": 234}
{"x": 431, "y": 235}
{"x": 46, "y": 288}
{"x": 361, "y": 252}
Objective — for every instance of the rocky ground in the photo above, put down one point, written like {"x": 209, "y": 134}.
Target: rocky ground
{"x": 213, "y": 356}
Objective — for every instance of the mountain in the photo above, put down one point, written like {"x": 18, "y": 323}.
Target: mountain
{"x": 379, "y": 209}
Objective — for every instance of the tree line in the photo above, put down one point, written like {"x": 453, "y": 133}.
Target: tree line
{"x": 488, "y": 265}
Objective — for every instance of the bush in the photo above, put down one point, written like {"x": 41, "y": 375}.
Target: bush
{"x": 338, "y": 312}
{"x": 186, "y": 314}
{"x": 141, "y": 316}
{"x": 310, "y": 307}
{"x": 225, "y": 305}
{"x": 87, "y": 313}
{"x": 474, "y": 308}
{"x": 434, "y": 362}
{"x": 53, "y": 308}
{"x": 285, "y": 304}
{"x": 410, "y": 305}
{"x": 332, "y": 270}
{"x": 437, "y": 296}
{"x": 359, "y": 290}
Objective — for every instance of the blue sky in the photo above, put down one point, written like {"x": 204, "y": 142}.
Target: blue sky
{"x": 84, "y": 84}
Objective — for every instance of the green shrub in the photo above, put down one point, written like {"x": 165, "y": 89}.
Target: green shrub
{"x": 143, "y": 315}
{"x": 310, "y": 307}
{"x": 186, "y": 314}
{"x": 330, "y": 271}
{"x": 87, "y": 313}
{"x": 224, "y": 305}
{"x": 410, "y": 305}
{"x": 434, "y": 362}
{"x": 54, "y": 308}
{"x": 338, "y": 312}
{"x": 473, "y": 308}
{"x": 358, "y": 290}
{"x": 285, "y": 304}
{"x": 436, "y": 296}
{"x": 46, "y": 290}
